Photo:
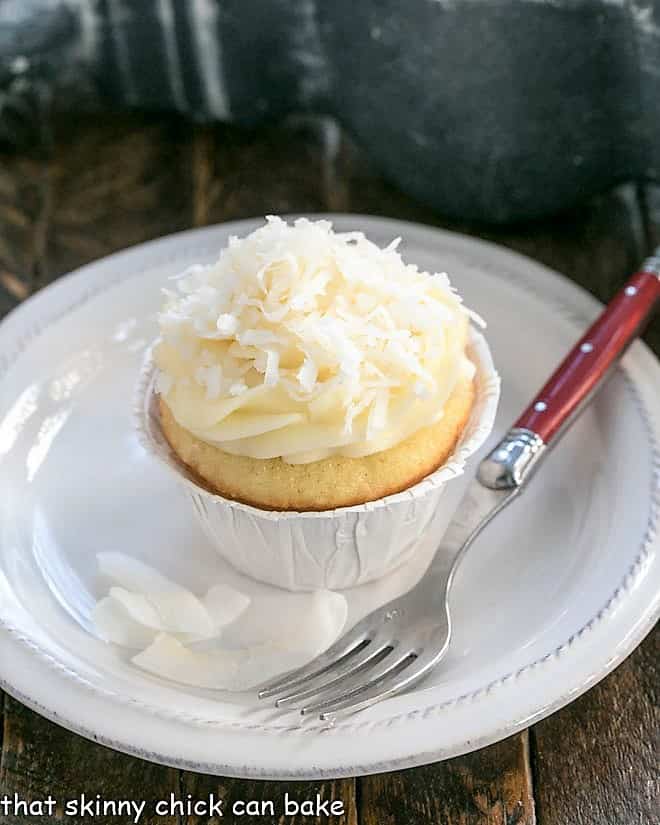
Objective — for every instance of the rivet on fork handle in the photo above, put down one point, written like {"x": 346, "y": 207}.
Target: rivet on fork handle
{"x": 391, "y": 649}
{"x": 574, "y": 383}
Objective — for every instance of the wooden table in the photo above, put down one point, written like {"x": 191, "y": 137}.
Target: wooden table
{"x": 103, "y": 183}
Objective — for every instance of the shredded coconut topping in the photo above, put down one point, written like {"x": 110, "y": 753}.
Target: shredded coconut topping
{"x": 300, "y": 343}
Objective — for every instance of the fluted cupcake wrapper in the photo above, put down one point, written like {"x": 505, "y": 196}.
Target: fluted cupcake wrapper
{"x": 332, "y": 549}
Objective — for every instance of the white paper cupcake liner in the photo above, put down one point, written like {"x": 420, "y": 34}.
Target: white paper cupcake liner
{"x": 332, "y": 549}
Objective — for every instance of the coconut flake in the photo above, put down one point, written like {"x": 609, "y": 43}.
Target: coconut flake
{"x": 308, "y": 374}
{"x": 298, "y": 307}
{"x": 272, "y": 374}
{"x": 378, "y": 414}
{"x": 210, "y": 377}
{"x": 225, "y": 604}
{"x": 213, "y": 381}
{"x": 307, "y": 623}
{"x": 220, "y": 669}
{"x": 169, "y": 658}
{"x": 191, "y": 272}
{"x": 287, "y": 640}
{"x": 257, "y": 337}
{"x": 237, "y": 388}
{"x": 178, "y": 609}
{"x": 275, "y": 633}
{"x": 114, "y": 623}
{"x": 227, "y": 324}
{"x": 476, "y": 318}
{"x": 138, "y": 607}
{"x": 182, "y": 612}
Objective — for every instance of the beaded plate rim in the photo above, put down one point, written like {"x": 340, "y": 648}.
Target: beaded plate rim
{"x": 109, "y": 272}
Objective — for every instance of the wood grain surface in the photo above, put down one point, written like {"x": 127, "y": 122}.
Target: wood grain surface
{"x": 109, "y": 182}
{"x": 596, "y": 761}
{"x": 40, "y": 758}
{"x": 23, "y": 220}
{"x": 492, "y": 786}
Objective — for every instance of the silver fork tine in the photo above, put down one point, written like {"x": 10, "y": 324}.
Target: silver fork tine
{"x": 349, "y": 688}
{"x": 374, "y": 654}
{"x": 402, "y": 679}
{"x": 420, "y": 619}
{"x": 349, "y": 645}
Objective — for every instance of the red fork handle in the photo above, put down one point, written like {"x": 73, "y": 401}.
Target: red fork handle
{"x": 594, "y": 356}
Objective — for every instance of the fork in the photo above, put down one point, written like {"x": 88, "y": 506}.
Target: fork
{"x": 398, "y": 644}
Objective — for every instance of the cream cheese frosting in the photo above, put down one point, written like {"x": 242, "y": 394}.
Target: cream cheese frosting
{"x": 303, "y": 343}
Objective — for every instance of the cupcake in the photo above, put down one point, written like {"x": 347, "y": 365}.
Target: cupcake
{"x": 311, "y": 370}
{"x": 312, "y": 373}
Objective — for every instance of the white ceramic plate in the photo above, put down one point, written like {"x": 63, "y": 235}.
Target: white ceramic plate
{"x": 553, "y": 596}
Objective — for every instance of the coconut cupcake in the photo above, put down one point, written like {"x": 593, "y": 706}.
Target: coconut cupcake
{"x": 309, "y": 370}
{"x": 314, "y": 397}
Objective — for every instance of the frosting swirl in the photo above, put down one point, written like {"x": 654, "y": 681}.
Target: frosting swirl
{"x": 303, "y": 343}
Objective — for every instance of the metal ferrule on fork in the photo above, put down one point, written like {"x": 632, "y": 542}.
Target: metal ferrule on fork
{"x": 512, "y": 461}
{"x": 652, "y": 264}
{"x": 392, "y": 648}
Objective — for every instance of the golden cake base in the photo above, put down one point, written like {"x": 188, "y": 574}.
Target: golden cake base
{"x": 338, "y": 481}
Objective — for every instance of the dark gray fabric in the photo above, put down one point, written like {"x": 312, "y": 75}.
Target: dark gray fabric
{"x": 492, "y": 110}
